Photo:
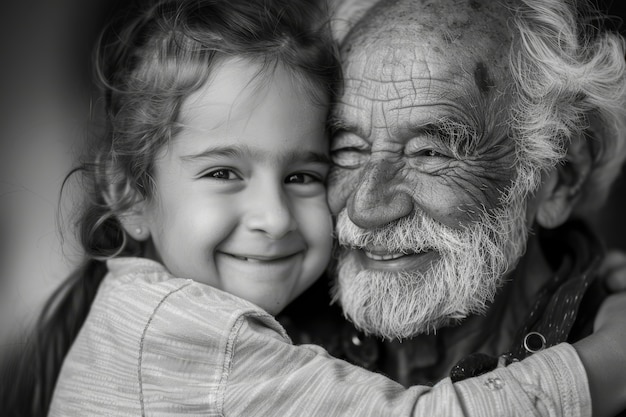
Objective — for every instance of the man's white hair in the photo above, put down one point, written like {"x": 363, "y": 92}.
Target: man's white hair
{"x": 569, "y": 83}
{"x": 569, "y": 80}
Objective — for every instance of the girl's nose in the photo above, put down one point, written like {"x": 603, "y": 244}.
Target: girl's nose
{"x": 270, "y": 212}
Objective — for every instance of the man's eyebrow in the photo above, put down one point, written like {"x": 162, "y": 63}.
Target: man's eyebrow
{"x": 244, "y": 151}
{"x": 459, "y": 136}
{"x": 335, "y": 124}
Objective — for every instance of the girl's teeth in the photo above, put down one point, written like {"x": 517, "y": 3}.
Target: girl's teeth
{"x": 243, "y": 258}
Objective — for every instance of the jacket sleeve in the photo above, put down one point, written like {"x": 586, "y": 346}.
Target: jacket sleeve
{"x": 268, "y": 376}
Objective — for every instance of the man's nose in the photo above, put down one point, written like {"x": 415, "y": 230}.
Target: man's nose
{"x": 377, "y": 201}
{"x": 269, "y": 212}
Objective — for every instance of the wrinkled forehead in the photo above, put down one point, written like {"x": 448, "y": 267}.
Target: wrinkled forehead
{"x": 466, "y": 33}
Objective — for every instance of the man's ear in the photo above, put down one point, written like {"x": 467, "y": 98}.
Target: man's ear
{"x": 133, "y": 219}
{"x": 562, "y": 188}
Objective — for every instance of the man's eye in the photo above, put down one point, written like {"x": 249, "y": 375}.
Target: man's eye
{"x": 302, "y": 178}
{"x": 430, "y": 153}
{"x": 433, "y": 153}
{"x": 222, "y": 174}
{"x": 349, "y": 157}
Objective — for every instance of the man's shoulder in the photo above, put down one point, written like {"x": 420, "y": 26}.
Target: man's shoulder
{"x": 567, "y": 304}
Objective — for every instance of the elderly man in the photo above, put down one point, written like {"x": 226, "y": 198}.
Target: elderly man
{"x": 468, "y": 136}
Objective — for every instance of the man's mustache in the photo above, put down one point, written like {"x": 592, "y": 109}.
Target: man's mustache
{"x": 411, "y": 234}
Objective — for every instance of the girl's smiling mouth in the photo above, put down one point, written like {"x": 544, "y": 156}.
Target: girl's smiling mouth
{"x": 261, "y": 258}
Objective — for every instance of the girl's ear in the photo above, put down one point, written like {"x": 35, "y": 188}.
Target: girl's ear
{"x": 562, "y": 188}
{"x": 134, "y": 226}
{"x": 133, "y": 219}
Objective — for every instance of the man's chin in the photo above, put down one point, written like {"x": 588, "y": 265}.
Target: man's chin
{"x": 396, "y": 332}
{"x": 398, "y": 304}
{"x": 456, "y": 274}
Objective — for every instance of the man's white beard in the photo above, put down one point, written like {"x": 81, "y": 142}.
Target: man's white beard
{"x": 401, "y": 304}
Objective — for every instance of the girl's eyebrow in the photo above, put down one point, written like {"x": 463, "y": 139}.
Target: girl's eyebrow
{"x": 212, "y": 152}
{"x": 244, "y": 151}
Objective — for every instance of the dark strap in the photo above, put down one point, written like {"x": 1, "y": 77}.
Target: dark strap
{"x": 554, "y": 318}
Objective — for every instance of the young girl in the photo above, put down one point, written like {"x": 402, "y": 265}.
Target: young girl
{"x": 208, "y": 204}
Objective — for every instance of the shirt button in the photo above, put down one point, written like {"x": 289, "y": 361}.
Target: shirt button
{"x": 494, "y": 384}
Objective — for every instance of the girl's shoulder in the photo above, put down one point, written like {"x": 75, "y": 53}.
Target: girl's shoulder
{"x": 146, "y": 290}
{"x": 148, "y": 332}
{"x": 128, "y": 277}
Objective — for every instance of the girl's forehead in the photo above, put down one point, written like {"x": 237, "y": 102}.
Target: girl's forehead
{"x": 239, "y": 112}
{"x": 236, "y": 86}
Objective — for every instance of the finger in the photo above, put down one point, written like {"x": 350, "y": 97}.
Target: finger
{"x": 615, "y": 281}
{"x": 612, "y": 312}
{"x": 613, "y": 271}
{"x": 614, "y": 259}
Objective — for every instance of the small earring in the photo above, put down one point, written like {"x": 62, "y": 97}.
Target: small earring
{"x": 139, "y": 230}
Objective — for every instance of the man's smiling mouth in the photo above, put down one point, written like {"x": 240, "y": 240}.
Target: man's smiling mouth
{"x": 385, "y": 257}
{"x": 406, "y": 260}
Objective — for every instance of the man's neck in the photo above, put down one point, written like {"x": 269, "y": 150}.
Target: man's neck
{"x": 493, "y": 333}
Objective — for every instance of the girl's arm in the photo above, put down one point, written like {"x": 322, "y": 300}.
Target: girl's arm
{"x": 604, "y": 357}
{"x": 297, "y": 381}
{"x": 607, "y": 376}
{"x": 262, "y": 374}
{"x": 178, "y": 348}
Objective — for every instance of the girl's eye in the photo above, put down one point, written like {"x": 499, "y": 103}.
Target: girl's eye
{"x": 222, "y": 174}
{"x": 301, "y": 178}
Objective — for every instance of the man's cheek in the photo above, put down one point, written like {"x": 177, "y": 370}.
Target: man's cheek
{"x": 341, "y": 184}
{"x": 473, "y": 188}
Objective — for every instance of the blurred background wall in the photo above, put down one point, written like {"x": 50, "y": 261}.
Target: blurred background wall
{"x": 44, "y": 104}
{"x": 611, "y": 220}
{"x": 45, "y": 48}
